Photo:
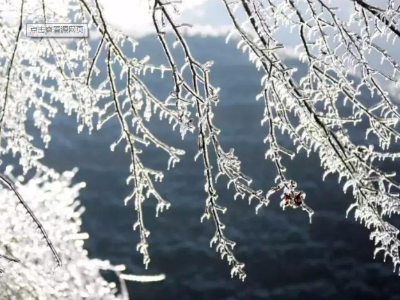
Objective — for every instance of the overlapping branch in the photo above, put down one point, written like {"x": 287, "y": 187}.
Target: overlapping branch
{"x": 190, "y": 94}
{"x": 325, "y": 129}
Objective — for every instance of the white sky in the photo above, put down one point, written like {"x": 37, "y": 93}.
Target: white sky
{"x": 207, "y": 17}
{"x": 133, "y": 16}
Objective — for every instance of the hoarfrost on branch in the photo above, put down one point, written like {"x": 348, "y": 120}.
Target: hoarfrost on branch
{"x": 345, "y": 58}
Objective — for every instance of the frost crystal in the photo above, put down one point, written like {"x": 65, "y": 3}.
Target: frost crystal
{"x": 32, "y": 275}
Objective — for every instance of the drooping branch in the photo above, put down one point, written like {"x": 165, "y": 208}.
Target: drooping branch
{"x": 325, "y": 130}
{"x": 380, "y": 14}
{"x": 203, "y": 102}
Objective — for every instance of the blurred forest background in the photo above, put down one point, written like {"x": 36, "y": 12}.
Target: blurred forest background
{"x": 285, "y": 256}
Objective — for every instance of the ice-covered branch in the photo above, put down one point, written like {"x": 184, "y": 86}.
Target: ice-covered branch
{"x": 7, "y": 182}
{"x": 334, "y": 53}
{"x": 200, "y": 94}
{"x": 346, "y": 59}
{"x": 30, "y": 276}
